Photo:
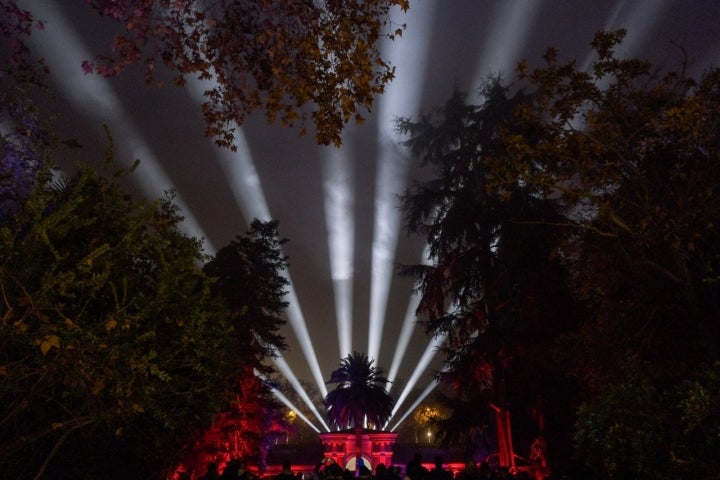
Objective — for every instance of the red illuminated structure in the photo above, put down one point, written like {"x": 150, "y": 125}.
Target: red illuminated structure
{"x": 506, "y": 454}
{"x": 376, "y": 448}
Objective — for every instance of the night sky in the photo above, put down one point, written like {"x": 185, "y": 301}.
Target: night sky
{"x": 337, "y": 207}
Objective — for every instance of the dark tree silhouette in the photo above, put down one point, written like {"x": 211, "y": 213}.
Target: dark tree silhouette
{"x": 493, "y": 261}
{"x": 574, "y": 232}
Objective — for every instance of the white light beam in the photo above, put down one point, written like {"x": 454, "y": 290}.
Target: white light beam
{"x": 409, "y": 55}
{"x": 94, "y": 96}
{"x": 339, "y": 203}
{"x": 247, "y": 188}
{"x": 510, "y": 28}
{"x": 280, "y": 396}
{"x": 284, "y": 368}
{"x": 415, "y": 404}
{"x": 638, "y": 18}
{"x": 407, "y": 328}
{"x": 420, "y": 368}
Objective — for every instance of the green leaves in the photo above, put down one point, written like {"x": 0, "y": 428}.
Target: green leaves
{"x": 107, "y": 318}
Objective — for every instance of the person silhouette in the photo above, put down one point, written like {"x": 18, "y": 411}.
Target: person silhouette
{"x": 438, "y": 472}
{"x": 211, "y": 472}
{"x": 236, "y": 469}
{"x": 286, "y": 473}
{"x": 415, "y": 469}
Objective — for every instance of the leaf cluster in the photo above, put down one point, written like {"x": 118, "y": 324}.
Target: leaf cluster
{"x": 297, "y": 61}
{"x": 359, "y": 393}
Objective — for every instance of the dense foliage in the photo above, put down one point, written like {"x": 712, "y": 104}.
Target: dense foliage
{"x": 24, "y": 136}
{"x": 110, "y": 336}
{"x": 295, "y": 60}
{"x": 256, "y": 306}
{"x": 248, "y": 277}
{"x": 636, "y": 165}
{"x": 575, "y": 245}
{"x": 359, "y": 394}
{"x": 493, "y": 289}
{"x": 118, "y": 352}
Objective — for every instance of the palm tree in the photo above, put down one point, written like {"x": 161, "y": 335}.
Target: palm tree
{"x": 359, "y": 394}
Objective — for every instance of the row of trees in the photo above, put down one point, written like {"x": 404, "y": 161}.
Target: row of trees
{"x": 573, "y": 223}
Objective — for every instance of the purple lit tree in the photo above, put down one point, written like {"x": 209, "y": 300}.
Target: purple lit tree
{"x": 22, "y": 135}
{"x": 19, "y": 166}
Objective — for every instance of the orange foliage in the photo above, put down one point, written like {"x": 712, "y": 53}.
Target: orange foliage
{"x": 295, "y": 60}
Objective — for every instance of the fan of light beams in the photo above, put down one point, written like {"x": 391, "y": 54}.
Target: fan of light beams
{"x": 502, "y": 46}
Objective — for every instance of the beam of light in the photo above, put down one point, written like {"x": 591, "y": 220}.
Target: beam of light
{"x": 245, "y": 184}
{"x": 417, "y": 402}
{"x": 284, "y": 368}
{"x": 407, "y": 328}
{"x": 403, "y": 339}
{"x": 434, "y": 383}
{"x": 430, "y": 351}
{"x": 510, "y": 29}
{"x": 280, "y": 396}
{"x": 638, "y": 22}
{"x": 409, "y": 55}
{"x": 238, "y": 166}
{"x": 339, "y": 203}
{"x": 390, "y": 182}
{"x": 79, "y": 89}
{"x": 250, "y": 198}
{"x": 420, "y": 368}
{"x": 422, "y": 396}
{"x": 297, "y": 321}
{"x": 63, "y": 52}
{"x": 638, "y": 18}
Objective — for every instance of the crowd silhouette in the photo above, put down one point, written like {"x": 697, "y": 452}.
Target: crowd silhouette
{"x": 328, "y": 469}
